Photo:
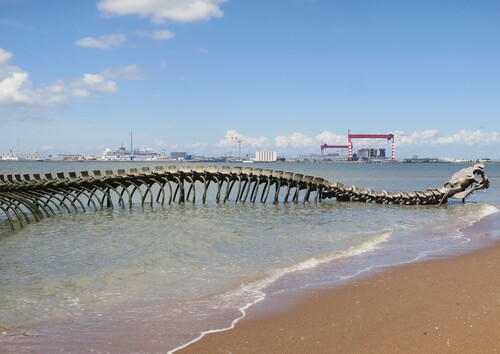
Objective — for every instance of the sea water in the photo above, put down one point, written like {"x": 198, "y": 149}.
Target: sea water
{"x": 157, "y": 278}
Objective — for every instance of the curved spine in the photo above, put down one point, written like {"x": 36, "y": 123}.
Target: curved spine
{"x": 23, "y": 197}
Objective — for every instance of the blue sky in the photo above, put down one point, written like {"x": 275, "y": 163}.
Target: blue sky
{"x": 284, "y": 75}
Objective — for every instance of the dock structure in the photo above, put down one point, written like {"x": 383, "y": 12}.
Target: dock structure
{"x": 24, "y": 198}
{"x": 349, "y": 146}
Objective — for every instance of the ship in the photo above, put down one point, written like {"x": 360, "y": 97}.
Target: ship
{"x": 123, "y": 154}
{"x": 22, "y": 156}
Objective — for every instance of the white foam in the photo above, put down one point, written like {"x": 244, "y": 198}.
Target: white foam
{"x": 254, "y": 290}
{"x": 478, "y": 214}
{"x": 484, "y": 212}
{"x": 488, "y": 210}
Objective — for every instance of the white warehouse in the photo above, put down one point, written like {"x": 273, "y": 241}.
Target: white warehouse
{"x": 266, "y": 156}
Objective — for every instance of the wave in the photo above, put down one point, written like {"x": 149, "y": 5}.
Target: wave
{"x": 253, "y": 292}
{"x": 484, "y": 211}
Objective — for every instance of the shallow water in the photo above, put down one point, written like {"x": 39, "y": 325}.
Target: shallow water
{"x": 84, "y": 280}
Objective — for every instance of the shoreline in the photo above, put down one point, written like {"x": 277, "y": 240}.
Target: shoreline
{"x": 442, "y": 303}
{"x": 276, "y": 306}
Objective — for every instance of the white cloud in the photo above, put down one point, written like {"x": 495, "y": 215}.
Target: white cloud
{"x": 416, "y": 138}
{"x": 129, "y": 72}
{"x": 104, "y": 42}
{"x": 98, "y": 83}
{"x": 299, "y": 140}
{"x": 56, "y": 93}
{"x": 92, "y": 84}
{"x": 16, "y": 88}
{"x": 103, "y": 82}
{"x": 232, "y": 137}
{"x": 465, "y": 137}
{"x": 432, "y": 137}
{"x": 80, "y": 92}
{"x": 161, "y": 10}
{"x": 15, "y": 85}
{"x": 157, "y": 35}
{"x": 327, "y": 137}
{"x": 294, "y": 140}
{"x": 4, "y": 56}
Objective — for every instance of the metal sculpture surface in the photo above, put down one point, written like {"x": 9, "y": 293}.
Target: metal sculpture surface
{"x": 458, "y": 186}
{"x": 24, "y": 198}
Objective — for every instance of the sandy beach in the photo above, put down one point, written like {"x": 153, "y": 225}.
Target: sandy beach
{"x": 443, "y": 305}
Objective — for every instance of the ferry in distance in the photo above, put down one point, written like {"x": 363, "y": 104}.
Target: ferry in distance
{"x": 122, "y": 154}
{"x": 22, "y": 156}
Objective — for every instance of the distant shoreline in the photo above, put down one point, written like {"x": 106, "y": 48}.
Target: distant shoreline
{"x": 259, "y": 162}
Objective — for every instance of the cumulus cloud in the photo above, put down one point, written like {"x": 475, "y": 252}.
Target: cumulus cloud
{"x": 16, "y": 88}
{"x": 475, "y": 137}
{"x": 158, "y": 35}
{"x": 299, "y": 140}
{"x": 108, "y": 41}
{"x": 433, "y": 137}
{"x": 294, "y": 140}
{"x": 416, "y": 138}
{"x": 161, "y": 10}
{"x": 92, "y": 84}
{"x": 232, "y": 137}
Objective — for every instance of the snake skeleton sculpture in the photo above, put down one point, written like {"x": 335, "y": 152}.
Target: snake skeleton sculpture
{"x": 24, "y": 198}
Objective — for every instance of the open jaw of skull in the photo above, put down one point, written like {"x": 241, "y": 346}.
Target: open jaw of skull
{"x": 465, "y": 182}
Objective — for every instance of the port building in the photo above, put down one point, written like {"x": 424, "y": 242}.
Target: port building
{"x": 266, "y": 156}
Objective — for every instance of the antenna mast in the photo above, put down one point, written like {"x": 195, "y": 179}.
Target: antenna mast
{"x": 131, "y": 151}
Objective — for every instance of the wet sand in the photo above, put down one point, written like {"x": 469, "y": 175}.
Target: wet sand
{"x": 446, "y": 305}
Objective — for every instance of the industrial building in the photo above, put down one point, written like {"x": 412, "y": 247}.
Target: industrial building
{"x": 371, "y": 154}
{"x": 178, "y": 155}
{"x": 266, "y": 156}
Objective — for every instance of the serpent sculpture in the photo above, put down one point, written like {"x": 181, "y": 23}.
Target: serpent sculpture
{"x": 26, "y": 197}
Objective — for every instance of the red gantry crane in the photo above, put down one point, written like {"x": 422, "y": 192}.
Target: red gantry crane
{"x": 350, "y": 136}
